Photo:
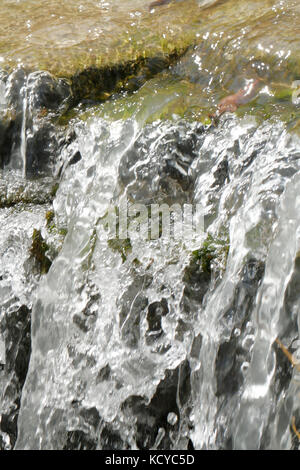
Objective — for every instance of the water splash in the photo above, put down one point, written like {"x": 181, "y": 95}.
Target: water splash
{"x": 93, "y": 347}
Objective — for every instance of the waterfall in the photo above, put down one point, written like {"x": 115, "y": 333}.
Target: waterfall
{"x": 234, "y": 317}
{"x": 23, "y": 145}
{"x": 150, "y": 225}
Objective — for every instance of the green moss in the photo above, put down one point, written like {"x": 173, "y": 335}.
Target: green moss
{"x": 283, "y": 94}
{"x": 136, "y": 262}
{"x": 211, "y": 250}
{"x": 63, "y": 232}
{"x": 38, "y": 251}
{"x": 19, "y": 197}
{"x": 54, "y": 189}
{"x": 281, "y": 109}
{"x": 51, "y": 225}
{"x": 49, "y": 219}
{"x": 123, "y": 247}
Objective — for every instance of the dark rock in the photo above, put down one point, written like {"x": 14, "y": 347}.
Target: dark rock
{"x": 221, "y": 174}
{"x": 78, "y": 440}
{"x": 10, "y": 140}
{"x": 104, "y": 374}
{"x": 95, "y": 83}
{"x": 196, "y": 347}
{"x": 156, "y": 167}
{"x": 15, "y": 330}
{"x": 33, "y": 101}
{"x": 75, "y": 158}
{"x": 47, "y": 92}
{"x": 234, "y": 352}
{"x": 173, "y": 390}
{"x": 156, "y": 311}
{"x": 81, "y": 323}
{"x": 38, "y": 252}
{"x": 239, "y": 312}
{"x": 133, "y": 306}
{"x": 42, "y": 150}
{"x": 87, "y": 435}
{"x": 228, "y": 368}
{"x": 196, "y": 283}
{"x": 91, "y": 417}
{"x": 110, "y": 439}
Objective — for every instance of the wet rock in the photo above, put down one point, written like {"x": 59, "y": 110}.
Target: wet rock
{"x": 75, "y": 158}
{"x": 183, "y": 329}
{"x": 198, "y": 274}
{"x": 235, "y": 353}
{"x": 42, "y": 150}
{"x": 221, "y": 174}
{"x": 104, "y": 374}
{"x": 85, "y": 435}
{"x": 156, "y": 167}
{"x": 15, "y": 330}
{"x": 110, "y": 439}
{"x": 16, "y": 191}
{"x": 47, "y": 92}
{"x": 154, "y": 426}
{"x": 10, "y": 141}
{"x": 196, "y": 347}
{"x": 133, "y": 305}
{"x": 78, "y": 440}
{"x": 228, "y": 368}
{"x": 156, "y": 311}
{"x": 38, "y": 251}
{"x": 232, "y": 354}
{"x": 99, "y": 83}
{"x": 27, "y": 132}
{"x": 238, "y": 314}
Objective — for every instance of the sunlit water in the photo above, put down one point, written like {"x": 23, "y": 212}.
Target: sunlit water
{"x": 141, "y": 348}
{"x": 258, "y": 207}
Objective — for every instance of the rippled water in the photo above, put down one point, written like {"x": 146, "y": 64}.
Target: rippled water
{"x": 164, "y": 343}
{"x": 93, "y": 33}
{"x": 83, "y": 33}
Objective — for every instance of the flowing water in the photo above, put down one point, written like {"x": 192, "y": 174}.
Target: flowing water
{"x": 169, "y": 342}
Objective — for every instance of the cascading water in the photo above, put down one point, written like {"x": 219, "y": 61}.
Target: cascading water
{"x": 92, "y": 351}
{"x": 169, "y": 342}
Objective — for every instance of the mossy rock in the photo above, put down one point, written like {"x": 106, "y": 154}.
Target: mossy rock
{"x": 93, "y": 35}
{"x": 49, "y": 219}
{"x": 99, "y": 83}
{"x": 170, "y": 97}
{"x": 14, "y": 191}
{"x": 38, "y": 251}
{"x": 123, "y": 247}
{"x": 212, "y": 250}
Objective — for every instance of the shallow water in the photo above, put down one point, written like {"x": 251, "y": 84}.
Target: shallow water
{"x": 63, "y": 37}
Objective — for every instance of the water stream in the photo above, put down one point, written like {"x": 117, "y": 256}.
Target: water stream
{"x": 169, "y": 342}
